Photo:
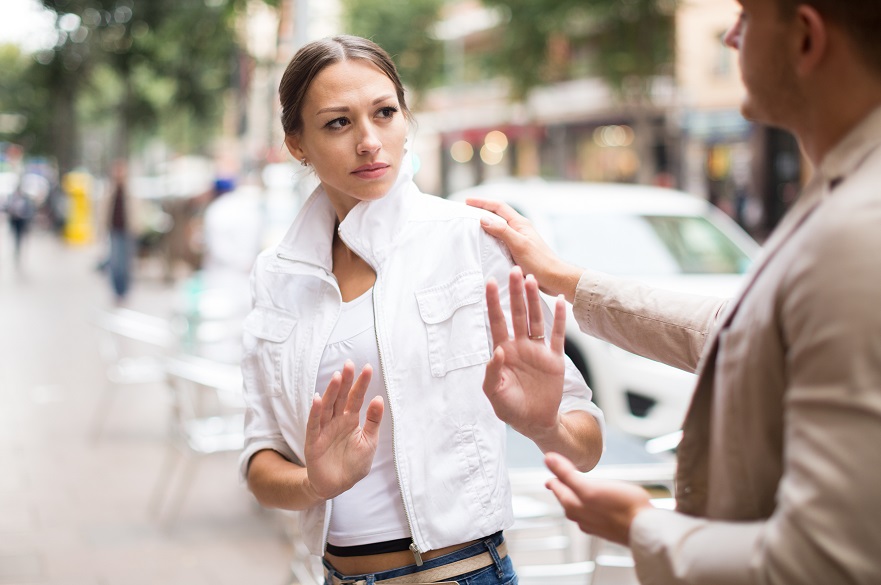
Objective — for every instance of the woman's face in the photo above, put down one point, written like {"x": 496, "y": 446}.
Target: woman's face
{"x": 353, "y": 133}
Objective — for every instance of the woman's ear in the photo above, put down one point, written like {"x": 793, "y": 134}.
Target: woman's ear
{"x": 292, "y": 141}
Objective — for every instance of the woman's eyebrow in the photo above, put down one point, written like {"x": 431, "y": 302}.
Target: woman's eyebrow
{"x": 332, "y": 109}
{"x": 346, "y": 108}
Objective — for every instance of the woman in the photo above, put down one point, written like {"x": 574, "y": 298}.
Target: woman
{"x": 374, "y": 272}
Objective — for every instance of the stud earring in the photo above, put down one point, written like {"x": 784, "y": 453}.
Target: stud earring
{"x": 304, "y": 162}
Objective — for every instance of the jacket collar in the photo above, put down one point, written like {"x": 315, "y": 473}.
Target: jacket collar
{"x": 847, "y": 156}
{"x": 369, "y": 229}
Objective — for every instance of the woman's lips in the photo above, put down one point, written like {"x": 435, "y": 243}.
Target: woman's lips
{"x": 371, "y": 171}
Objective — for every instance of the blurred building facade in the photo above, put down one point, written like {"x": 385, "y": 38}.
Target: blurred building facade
{"x": 272, "y": 36}
{"x": 687, "y": 133}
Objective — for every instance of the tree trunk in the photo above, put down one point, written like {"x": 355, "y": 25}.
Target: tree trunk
{"x": 65, "y": 132}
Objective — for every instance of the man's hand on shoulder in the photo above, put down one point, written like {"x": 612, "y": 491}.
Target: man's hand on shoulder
{"x": 529, "y": 250}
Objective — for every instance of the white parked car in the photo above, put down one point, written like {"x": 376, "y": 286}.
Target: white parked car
{"x": 662, "y": 237}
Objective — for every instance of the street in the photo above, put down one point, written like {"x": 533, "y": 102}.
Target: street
{"x": 73, "y": 509}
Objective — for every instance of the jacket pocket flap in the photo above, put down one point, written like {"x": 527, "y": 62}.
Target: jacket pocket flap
{"x": 438, "y": 303}
{"x": 269, "y": 324}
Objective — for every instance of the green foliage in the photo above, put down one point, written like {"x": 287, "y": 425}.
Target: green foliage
{"x": 401, "y": 27}
{"x": 24, "y": 97}
{"x": 625, "y": 42}
{"x": 141, "y": 67}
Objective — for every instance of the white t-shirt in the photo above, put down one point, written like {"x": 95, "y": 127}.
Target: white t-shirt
{"x": 373, "y": 510}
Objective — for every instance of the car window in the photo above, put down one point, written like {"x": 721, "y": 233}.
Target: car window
{"x": 646, "y": 245}
{"x": 699, "y": 246}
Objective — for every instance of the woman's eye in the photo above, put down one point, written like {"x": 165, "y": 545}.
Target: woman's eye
{"x": 387, "y": 112}
{"x": 337, "y": 123}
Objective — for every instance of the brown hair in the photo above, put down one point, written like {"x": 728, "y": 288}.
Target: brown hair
{"x": 861, "y": 19}
{"x": 313, "y": 57}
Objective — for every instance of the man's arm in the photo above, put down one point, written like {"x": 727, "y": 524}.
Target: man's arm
{"x": 665, "y": 326}
{"x": 826, "y": 527}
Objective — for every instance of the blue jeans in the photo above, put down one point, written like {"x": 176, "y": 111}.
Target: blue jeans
{"x": 501, "y": 572}
{"x": 121, "y": 252}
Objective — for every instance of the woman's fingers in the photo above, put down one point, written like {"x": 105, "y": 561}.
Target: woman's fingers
{"x": 359, "y": 389}
{"x": 518, "y": 304}
{"x": 497, "y": 324}
{"x": 313, "y": 424}
{"x": 558, "y": 334}
{"x": 329, "y": 398}
{"x": 348, "y": 375}
{"x": 373, "y": 418}
{"x": 533, "y": 305}
{"x": 493, "y": 376}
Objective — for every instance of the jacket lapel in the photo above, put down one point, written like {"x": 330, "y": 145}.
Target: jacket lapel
{"x": 693, "y": 465}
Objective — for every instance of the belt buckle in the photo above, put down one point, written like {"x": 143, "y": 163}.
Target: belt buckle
{"x": 337, "y": 581}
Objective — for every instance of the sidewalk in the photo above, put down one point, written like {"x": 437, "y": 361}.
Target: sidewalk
{"x": 74, "y": 511}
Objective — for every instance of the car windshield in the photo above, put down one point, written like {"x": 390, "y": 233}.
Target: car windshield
{"x": 650, "y": 245}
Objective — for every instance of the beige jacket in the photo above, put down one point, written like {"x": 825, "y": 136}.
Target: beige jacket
{"x": 779, "y": 470}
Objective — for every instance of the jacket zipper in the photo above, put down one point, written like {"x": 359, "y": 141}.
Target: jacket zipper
{"x": 326, "y": 527}
{"x": 417, "y": 555}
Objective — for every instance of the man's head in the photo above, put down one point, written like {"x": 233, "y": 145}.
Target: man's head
{"x": 859, "y": 19}
{"x": 810, "y": 66}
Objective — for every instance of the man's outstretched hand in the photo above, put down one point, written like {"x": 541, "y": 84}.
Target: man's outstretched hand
{"x": 603, "y": 508}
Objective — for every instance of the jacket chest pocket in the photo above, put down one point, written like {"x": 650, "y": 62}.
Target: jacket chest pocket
{"x": 267, "y": 332}
{"x": 455, "y": 323}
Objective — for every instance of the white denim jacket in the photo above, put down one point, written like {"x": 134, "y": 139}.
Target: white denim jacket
{"x": 432, "y": 260}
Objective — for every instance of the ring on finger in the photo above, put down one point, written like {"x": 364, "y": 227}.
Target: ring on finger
{"x": 536, "y": 337}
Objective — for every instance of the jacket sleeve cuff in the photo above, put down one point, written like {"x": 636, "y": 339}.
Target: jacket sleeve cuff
{"x": 252, "y": 448}
{"x": 670, "y": 548}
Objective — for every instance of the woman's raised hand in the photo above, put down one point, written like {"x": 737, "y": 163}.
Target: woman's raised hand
{"x": 524, "y": 377}
{"x": 338, "y": 450}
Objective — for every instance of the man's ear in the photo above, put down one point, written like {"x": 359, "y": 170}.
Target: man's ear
{"x": 813, "y": 39}
{"x": 292, "y": 141}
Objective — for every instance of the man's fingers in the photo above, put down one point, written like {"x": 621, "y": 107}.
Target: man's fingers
{"x": 373, "y": 418}
{"x": 500, "y": 208}
{"x": 359, "y": 389}
{"x": 534, "y": 308}
{"x": 558, "y": 333}
{"x": 567, "y": 473}
{"x": 518, "y": 303}
{"x": 497, "y": 325}
{"x": 564, "y": 495}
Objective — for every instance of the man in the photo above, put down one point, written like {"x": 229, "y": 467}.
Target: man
{"x": 779, "y": 471}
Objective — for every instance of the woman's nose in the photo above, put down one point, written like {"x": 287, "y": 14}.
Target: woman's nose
{"x": 369, "y": 141}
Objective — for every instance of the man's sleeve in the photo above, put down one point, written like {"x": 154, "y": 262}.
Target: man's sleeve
{"x": 661, "y": 325}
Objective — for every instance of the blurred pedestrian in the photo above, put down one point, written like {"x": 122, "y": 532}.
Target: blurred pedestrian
{"x": 365, "y": 275}
{"x": 20, "y": 210}
{"x": 120, "y": 227}
{"x": 778, "y": 469}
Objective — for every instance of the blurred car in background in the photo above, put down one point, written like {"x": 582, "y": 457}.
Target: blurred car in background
{"x": 664, "y": 238}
